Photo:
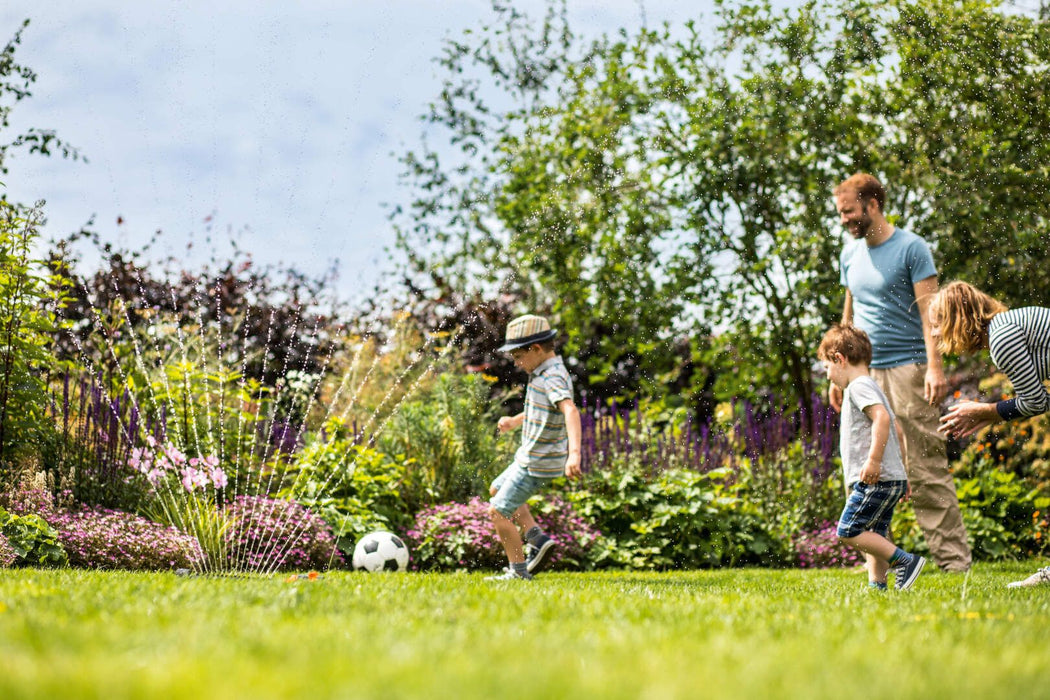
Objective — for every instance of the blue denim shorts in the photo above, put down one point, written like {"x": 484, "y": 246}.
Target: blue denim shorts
{"x": 513, "y": 488}
{"x": 869, "y": 507}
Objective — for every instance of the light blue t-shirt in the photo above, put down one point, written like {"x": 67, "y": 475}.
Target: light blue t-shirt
{"x": 881, "y": 280}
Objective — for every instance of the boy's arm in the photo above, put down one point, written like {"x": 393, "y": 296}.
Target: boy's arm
{"x": 575, "y": 431}
{"x": 880, "y": 435}
{"x": 510, "y": 422}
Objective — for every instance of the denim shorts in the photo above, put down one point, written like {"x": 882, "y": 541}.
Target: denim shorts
{"x": 869, "y": 507}
{"x": 513, "y": 488}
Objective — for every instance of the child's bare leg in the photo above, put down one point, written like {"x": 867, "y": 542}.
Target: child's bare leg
{"x": 509, "y": 536}
{"x": 874, "y": 544}
{"x": 877, "y": 568}
{"x": 523, "y": 519}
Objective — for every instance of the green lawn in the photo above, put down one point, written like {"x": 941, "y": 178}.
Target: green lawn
{"x": 733, "y": 633}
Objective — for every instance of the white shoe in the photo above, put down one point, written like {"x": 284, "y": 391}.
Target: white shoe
{"x": 1039, "y": 578}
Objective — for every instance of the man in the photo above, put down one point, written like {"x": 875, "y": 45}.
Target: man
{"x": 890, "y": 278}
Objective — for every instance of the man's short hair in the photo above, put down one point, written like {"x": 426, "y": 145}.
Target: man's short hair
{"x": 867, "y": 188}
{"x": 846, "y": 340}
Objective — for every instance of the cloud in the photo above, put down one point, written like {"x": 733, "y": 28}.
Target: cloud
{"x": 278, "y": 118}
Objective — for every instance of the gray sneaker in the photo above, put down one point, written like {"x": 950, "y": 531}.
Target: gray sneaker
{"x": 1039, "y": 578}
{"x": 509, "y": 574}
{"x": 905, "y": 574}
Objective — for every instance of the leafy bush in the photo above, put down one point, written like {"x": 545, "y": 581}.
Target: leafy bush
{"x": 794, "y": 489}
{"x": 100, "y": 538}
{"x": 28, "y": 302}
{"x": 1020, "y": 446}
{"x": 448, "y": 430}
{"x": 1000, "y": 511}
{"x": 267, "y": 534}
{"x": 355, "y": 489}
{"x": 34, "y": 542}
{"x": 677, "y": 519}
{"x": 461, "y": 535}
{"x": 819, "y": 548}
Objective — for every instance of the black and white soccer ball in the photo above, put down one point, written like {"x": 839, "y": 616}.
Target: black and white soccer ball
{"x": 380, "y": 551}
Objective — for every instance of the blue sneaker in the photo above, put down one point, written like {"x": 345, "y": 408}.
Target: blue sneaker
{"x": 538, "y": 555}
{"x": 905, "y": 574}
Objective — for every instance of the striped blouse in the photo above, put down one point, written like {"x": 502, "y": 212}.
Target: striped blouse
{"x": 1019, "y": 342}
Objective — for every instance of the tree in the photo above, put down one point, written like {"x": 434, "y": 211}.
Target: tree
{"x": 664, "y": 184}
{"x": 15, "y": 83}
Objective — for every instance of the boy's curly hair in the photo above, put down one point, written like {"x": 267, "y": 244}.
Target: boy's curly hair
{"x": 846, "y": 340}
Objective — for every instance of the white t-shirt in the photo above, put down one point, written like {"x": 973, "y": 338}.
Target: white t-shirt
{"x": 855, "y": 433}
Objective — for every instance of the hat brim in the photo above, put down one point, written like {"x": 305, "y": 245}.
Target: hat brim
{"x": 528, "y": 340}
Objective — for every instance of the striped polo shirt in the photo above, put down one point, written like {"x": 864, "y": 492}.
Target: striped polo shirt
{"x": 544, "y": 440}
{"x": 1019, "y": 343}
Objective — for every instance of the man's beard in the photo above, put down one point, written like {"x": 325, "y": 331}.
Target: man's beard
{"x": 861, "y": 229}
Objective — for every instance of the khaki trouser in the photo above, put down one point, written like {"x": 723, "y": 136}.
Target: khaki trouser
{"x": 926, "y": 461}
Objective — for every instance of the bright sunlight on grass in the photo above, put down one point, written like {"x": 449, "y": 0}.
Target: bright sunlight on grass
{"x": 725, "y": 633}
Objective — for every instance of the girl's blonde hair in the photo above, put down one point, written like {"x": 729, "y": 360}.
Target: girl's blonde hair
{"x": 963, "y": 313}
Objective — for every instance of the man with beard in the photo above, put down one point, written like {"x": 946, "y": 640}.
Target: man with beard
{"x": 890, "y": 279}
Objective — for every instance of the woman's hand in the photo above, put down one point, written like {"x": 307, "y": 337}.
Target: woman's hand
{"x": 967, "y": 417}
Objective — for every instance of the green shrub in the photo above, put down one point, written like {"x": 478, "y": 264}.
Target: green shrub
{"x": 678, "y": 519}
{"x": 354, "y": 488}
{"x": 792, "y": 489}
{"x": 448, "y": 431}
{"x": 34, "y": 541}
{"x": 1000, "y": 511}
{"x": 29, "y": 297}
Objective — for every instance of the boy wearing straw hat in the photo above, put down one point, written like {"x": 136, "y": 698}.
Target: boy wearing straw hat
{"x": 550, "y": 445}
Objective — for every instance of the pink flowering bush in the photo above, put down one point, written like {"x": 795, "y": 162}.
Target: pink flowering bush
{"x": 268, "y": 534}
{"x": 461, "y": 536}
{"x": 24, "y": 499}
{"x": 820, "y": 548}
{"x": 7, "y": 553}
{"x": 99, "y": 538}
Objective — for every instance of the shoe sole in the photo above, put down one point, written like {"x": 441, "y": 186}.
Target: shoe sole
{"x": 542, "y": 558}
{"x": 914, "y": 575}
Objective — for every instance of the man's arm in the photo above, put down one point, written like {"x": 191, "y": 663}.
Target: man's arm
{"x": 936, "y": 386}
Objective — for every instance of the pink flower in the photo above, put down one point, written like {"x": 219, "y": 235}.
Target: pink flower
{"x": 218, "y": 477}
{"x": 194, "y": 478}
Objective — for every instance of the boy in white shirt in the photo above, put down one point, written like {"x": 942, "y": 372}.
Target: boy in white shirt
{"x": 872, "y": 464}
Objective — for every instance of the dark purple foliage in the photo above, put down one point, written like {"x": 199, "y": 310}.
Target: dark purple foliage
{"x": 611, "y": 434}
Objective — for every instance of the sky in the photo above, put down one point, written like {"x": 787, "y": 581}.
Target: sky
{"x": 277, "y": 124}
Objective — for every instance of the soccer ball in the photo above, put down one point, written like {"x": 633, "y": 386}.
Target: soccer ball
{"x": 380, "y": 551}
